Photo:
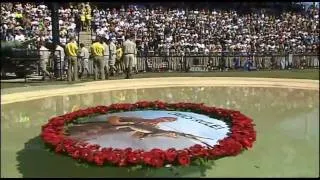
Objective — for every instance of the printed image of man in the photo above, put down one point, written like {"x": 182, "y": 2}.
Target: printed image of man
{"x": 140, "y": 126}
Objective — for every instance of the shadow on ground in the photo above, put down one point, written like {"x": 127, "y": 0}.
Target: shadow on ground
{"x": 35, "y": 161}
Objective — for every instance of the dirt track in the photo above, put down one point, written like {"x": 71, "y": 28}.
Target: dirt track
{"x": 99, "y": 86}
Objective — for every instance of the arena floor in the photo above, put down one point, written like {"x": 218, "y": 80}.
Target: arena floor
{"x": 285, "y": 111}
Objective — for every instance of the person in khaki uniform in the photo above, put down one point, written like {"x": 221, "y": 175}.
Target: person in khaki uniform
{"x": 129, "y": 50}
{"x": 84, "y": 54}
{"x": 135, "y": 63}
{"x": 119, "y": 60}
{"x": 112, "y": 60}
{"x": 97, "y": 51}
{"x": 72, "y": 53}
{"x": 44, "y": 59}
{"x": 106, "y": 56}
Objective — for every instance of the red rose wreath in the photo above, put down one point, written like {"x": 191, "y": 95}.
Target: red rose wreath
{"x": 241, "y": 137}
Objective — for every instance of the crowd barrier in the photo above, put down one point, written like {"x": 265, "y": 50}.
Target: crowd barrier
{"x": 184, "y": 63}
{"x": 222, "y": 61}
{"x": 205, "y": 63}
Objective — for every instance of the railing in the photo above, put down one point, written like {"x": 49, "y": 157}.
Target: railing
{"x": 184, "y": 63}
{"x": 222, "y": 61}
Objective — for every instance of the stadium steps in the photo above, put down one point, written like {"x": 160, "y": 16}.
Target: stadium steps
{"x": 85, "y": 38}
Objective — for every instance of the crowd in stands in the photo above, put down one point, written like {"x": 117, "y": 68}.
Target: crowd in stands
{"x": 202, "y": 31}
{"x": 168, "y": 31}
{"x": 24, "y": 21}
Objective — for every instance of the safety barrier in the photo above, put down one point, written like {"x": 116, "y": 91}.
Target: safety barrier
{"x": 152, "y": 62}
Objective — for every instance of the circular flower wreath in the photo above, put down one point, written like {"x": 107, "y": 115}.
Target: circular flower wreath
{"x": 241, "y": 137}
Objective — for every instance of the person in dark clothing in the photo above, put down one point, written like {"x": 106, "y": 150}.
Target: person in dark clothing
{"x": 78, "y": 23}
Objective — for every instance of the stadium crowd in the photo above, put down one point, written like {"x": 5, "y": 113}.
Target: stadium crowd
{"x": 170, "y": 30}
{"x": 176, "y": 30}
{"x": 24, "y": 21}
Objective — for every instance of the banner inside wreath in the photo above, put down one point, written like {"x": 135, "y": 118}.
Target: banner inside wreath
{"x": 149, "y": 129}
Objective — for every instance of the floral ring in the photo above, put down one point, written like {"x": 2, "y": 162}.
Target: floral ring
{"x": 69, "y": 133}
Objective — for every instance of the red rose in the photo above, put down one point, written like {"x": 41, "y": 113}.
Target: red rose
{"x": 171, "y": 154}
{"x": 59, "y": 148}
{"x": 147, "y": 157}
{"x": 197, "y": 150}
{"x": 84, "y": 153}
{"x": 183, "y": 159}
{"x": 216, "y": 152}
{"x": 142, "y": 104}
{"x": 158, "y": 153}
{"x": 157, "y": 162}
{"x": 102, "y": 109}
{"x": 133, "y": 157}
{"x": 122, "y": 162}
{"x": 246, "y": 143}
{"x": 52, "y": 139}
{"x": 114, "y": 158}
{"x": 230, "y": 146}
{"x": 75, "y": 154}
{"x": 127, "y": 106}
{"x": 98, "y": 159}
{"x": 183, "y": 152}
{"x": 90, "y": 157}
{"x": 159, "y": 104}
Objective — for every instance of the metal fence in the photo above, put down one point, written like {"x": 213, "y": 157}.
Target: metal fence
{"x": 152, "y": 62}
{"x": 202, "y": 63}
{"x": 221, "y": 61}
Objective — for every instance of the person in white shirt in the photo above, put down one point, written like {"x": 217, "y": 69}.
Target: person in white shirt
{"x": 59, "y": 59}
{"x": 106, "y": 56}
{"x": 129, "y": 52}
{"x": 19, "y": 37}
{"x": 44, "y": 59}
{"x": 112, "y": 52}
{"x": 84, "y": 54}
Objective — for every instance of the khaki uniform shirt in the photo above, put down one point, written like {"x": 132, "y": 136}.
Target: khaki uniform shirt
{"x": 113, "y": 49}
{"x": 129, "y": 47}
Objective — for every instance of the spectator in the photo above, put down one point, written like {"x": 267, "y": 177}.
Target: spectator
{"x": 44, "y": 59}
{"x": 29, "y": 19}
{"x": 72, "y": 54}
{"x": 161, "y": 30}
{"x": 84, "y": 54}
{"x": 60, "y": 60}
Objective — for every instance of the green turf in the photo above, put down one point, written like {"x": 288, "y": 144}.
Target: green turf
{"x": 293, "y": 74}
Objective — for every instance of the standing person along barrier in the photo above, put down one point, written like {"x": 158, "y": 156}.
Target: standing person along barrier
{"x": 97, "y": 50}
{"x": 59, "y": 61}
{"x": 44, "y": 61}
{"x": 84, "y": 55}
{"x": 112, "y": 59}
{"x": 72, "y": 54}
{"x": 106, "y": 55}
{"x": 129, "y": 52}
{"x": 119, "y": 59}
